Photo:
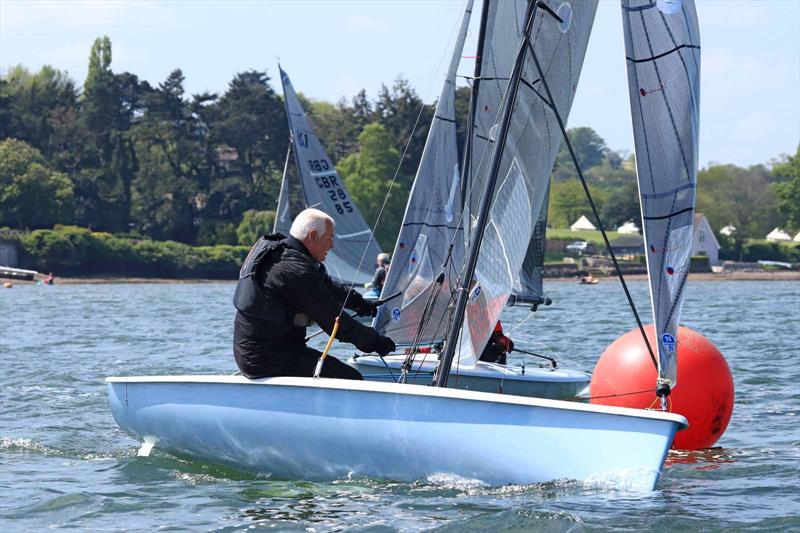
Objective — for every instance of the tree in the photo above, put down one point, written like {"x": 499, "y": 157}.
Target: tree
{"x": 31, "y": 195}
{"x": 568, "y": 202}
{"x": 398, "y": 111}
{"x": 788, "y": 189}
{"x": 254, "y": 224}
{"x": 743, "y": 197}
{"x": 368, "y": 176}
{"x": 589, "y": 147}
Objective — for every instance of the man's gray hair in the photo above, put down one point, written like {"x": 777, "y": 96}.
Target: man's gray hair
{"x": 310, "y": 220}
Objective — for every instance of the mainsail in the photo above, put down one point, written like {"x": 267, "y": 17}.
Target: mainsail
{"x": 559, "y": 36}
{"x": 355, "y": 249}
{"x": 283, "y": 214}
{"x": 430, "y": 226}
{"x": 662, "y": 45}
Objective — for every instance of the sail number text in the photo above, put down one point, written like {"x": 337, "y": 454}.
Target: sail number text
{"x": 331, "y": 185}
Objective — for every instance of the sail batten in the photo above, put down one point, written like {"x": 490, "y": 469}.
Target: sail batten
{"x": 662, "y": 51}
{"x": 355, "y": 249}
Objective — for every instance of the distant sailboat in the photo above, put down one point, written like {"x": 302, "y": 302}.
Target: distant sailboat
{"x": 328, "y": 428}
{"x": 355, "y": 249}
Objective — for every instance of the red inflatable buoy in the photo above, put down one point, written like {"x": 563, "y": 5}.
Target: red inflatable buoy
{"x": 626, "y": 377}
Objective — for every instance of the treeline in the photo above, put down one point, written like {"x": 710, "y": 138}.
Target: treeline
{"x": 118, "y": 155}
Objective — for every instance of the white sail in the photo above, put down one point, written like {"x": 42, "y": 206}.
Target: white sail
{"x": 662, "y": 46}
{"x": 353, "y": 256}
{"x": 431, "y": 223}
{"x": 559, "y": 38}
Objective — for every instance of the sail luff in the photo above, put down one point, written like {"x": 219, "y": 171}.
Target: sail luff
{"x": 663, "y": 61}
{"x": 283, "y": 216}
{"x": 446, "y": 361}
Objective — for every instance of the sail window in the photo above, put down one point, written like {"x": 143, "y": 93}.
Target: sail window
{"x": 669, "y": 7}
{"x": 564, "y": 12}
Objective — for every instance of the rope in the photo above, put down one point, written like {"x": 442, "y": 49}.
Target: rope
{"x": 318, "y": 369}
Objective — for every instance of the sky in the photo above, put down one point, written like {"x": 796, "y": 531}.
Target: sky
{"x": 750, "y": 81}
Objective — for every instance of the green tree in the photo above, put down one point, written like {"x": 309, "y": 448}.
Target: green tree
{"x": 254, "y": 224}
{"x": 743, "y": 197}
{"x": 788, "y": 189}
{"x": 31, "y": 195}
{"x": 568, "y": 202}
{"x": 589, "y": 147}
{"x": 368, "y": 176}
{"x": 400, "y": 111}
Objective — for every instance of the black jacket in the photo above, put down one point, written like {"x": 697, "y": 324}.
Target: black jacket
{"x": 297, "y": 284}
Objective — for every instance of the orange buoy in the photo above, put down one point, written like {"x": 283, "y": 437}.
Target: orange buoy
{"x": 626, "y": 377}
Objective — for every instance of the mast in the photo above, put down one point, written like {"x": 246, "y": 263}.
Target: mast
{"x": 291, "y": 133}
{"x": 283, "y": 195}
{"x": 473, "y": 102}
{"x": 443, "y": 371}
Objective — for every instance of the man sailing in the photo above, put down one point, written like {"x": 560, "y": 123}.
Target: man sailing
{"x": 282, "y": 288}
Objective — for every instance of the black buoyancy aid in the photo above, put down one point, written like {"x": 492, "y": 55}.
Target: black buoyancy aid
{"x": 249, "y": 297}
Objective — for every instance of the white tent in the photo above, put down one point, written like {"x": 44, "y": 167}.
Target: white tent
{"x": 582, "y": 224}
{"x": 728, "y": 230}
{"x": 628, "y": 227}
{"x": 778, "y": 235}
{"x": 797, "y": 237}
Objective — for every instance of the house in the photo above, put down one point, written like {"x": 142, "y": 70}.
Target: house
{"x": 703, "y": 240}
{"x": 628, "y": 227}
{"x": 628, "y": 246}
{"x": 778, "y": 235}
{"x": 582, "y": 224}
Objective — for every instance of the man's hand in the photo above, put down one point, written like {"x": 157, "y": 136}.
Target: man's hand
{"x": 384, "y": 345}
{"x": 367, "y": 309}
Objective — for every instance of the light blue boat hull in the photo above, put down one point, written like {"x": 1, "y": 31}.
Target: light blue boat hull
{"x": 324, "y": 429}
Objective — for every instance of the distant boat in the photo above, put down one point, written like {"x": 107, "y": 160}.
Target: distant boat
{"x": 352, "y": 259}
{"x": 17, "y": 273}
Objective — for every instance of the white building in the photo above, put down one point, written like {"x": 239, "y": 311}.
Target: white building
{"x": 703, "y": 240}
{"x": 628, "y": 227}
{"x": 778, "y": 235}
{"x": 582, "y": 223}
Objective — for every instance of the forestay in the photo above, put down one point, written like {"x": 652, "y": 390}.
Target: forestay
{"x": 353, "y": 256}
{"x": 431, "y": 223}
{"x": 559, "y": 37}
{"x": 662, "y": 45}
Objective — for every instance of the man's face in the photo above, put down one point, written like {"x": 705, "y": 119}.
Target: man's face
{"x": 319, "y": 245}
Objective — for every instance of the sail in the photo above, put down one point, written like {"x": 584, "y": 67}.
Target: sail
{"x": 529, "y": 286}
{"x": 662, "y": 45}
{"x": 560, "y": 34}
{"x": 283, "y": 215}
{"x": 352, "y": 259}
{"x": 431, "y": 223}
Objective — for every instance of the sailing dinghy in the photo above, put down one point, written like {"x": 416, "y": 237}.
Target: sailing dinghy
{"x": 355, "y": 249}
{"x": 316, "y": 428}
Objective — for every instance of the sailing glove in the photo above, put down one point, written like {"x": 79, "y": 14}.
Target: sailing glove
{"x": 367, "y": 308}
{"x": 384, "y": 345}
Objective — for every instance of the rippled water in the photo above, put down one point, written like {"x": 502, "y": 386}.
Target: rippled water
{"x": 64, "y": 462}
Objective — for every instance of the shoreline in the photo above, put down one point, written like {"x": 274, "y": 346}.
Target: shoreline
{"x": 779, "y": 275}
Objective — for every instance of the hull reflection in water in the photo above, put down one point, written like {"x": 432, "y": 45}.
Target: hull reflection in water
{"x": 323, "y": 429}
